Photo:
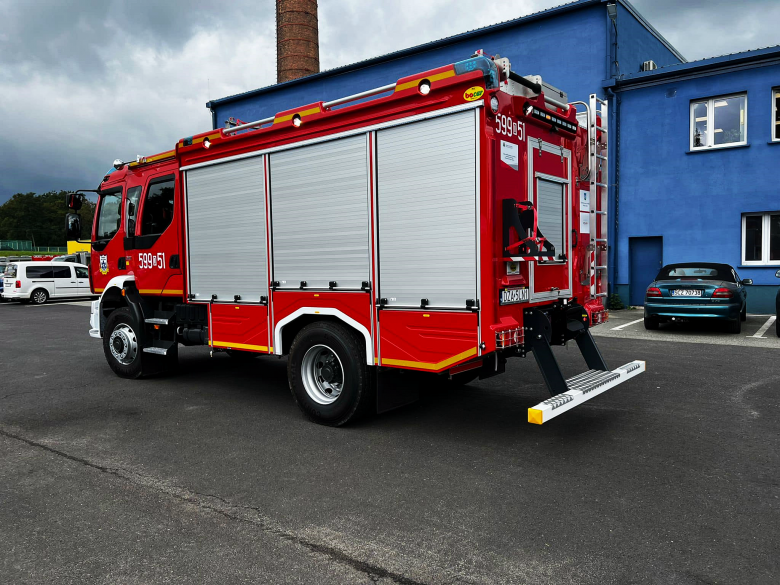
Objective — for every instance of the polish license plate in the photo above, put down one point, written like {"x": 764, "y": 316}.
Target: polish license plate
{"x": 686, "y": 292}
{"x": 510, "y": 296}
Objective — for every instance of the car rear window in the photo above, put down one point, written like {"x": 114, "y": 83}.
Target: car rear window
{"x": 10, "y": 271}
{"x": 695, "y": 273}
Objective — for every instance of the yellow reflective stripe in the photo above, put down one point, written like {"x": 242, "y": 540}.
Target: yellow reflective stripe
{"x": 287, "y": 117}
{"x": 431, "y": 78}
{"x": 427, "y": 366}
{"x": 157, "y": 291}
{"x": 535, "y": 416}
{"x": 231, "y": 345}
{"x": 99, "y": 290}
{"x": 151, "y": 159}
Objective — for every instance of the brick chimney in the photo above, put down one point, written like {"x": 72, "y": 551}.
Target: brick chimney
{"x": 297, "y": 39}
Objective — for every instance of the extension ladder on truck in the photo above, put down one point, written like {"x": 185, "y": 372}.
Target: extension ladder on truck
{"x": 599, "y": 195}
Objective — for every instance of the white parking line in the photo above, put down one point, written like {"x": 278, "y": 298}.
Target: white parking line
{"x": 624, "y": 325}
{"x": 760, "y": 333}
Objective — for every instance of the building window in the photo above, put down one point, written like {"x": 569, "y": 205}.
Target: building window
{"x": 761, "y": 238}
{"x": 776, "y": 114}
{"x": 718, "y": 122}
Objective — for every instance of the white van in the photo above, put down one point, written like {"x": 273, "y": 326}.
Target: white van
{"x": 38, "y": 282}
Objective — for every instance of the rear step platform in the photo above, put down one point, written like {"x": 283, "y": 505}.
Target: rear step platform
{"x": 581, "y": 388}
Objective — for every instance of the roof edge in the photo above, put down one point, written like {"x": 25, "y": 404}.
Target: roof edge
{"x": 568, "y": 7}
{"x": 755, "y": 57}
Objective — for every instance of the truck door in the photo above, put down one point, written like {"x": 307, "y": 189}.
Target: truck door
{"x": 107, "y": 244}
{"x": 549, "y": 178}
{"x": 154, "y": 248}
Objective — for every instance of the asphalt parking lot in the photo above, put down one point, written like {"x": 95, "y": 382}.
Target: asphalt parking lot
{"x": 213, "y": 476}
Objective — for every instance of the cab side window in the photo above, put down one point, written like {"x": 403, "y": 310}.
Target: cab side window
{"x": 133, "y": 195}
{"x": 81, "y": 272}
{"x": 158, "y": 208}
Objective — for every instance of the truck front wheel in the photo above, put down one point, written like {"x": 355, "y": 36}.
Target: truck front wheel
{"x": 328, "y": 375}
{"x": 122, "y": 344}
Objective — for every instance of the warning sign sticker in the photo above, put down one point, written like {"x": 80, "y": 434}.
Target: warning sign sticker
{"x": 510, "y": 154}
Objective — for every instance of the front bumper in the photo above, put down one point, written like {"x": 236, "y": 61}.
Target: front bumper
{"x": 665, "y": 310}
{"x": 94, "y": 319}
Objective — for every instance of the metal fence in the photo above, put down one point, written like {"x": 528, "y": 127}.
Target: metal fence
{"x": 27, "y": 246}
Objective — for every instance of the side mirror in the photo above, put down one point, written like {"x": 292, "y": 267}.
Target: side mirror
{"x": 72, "y": 227}
{"x": 747, "y": 281}
{"x": 73, "y": 201}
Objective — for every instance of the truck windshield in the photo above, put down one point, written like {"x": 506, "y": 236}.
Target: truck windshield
{"x": 109, "y": 215}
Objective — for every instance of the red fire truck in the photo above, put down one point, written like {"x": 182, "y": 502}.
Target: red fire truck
{"x": 440, "y": 224}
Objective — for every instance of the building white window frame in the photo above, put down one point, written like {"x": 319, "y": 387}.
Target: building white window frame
{"x": 711, "y": 122}
{"x": 774, "y": 121}
{"x": 765, "y": 239}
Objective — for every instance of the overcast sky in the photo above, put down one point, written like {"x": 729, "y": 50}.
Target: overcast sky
{"x": 83, "y": 82}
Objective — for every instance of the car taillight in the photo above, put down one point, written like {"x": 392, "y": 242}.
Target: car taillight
{"x": 653, "y": 292}
{"x": 18, "y": 284}
{"x": 722, "y": 293}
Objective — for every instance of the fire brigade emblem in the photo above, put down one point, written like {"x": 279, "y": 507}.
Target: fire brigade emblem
{"x": 104, "y": 265}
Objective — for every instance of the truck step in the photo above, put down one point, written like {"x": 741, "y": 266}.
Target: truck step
{"x": 161, "y": 318}
{"x": 583, "y": 387}
{"x": 157, "y": 350}
{"x": 157, "y": 321}
{"x": 160, "y": 347}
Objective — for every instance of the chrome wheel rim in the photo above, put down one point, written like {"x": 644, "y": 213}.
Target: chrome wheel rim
{"x": 39, "y": 297}
{"x": 124, "y": 344}
{"x": 323, "y": 374}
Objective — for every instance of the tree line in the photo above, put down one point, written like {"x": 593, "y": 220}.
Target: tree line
{"x": 41, "y": 218}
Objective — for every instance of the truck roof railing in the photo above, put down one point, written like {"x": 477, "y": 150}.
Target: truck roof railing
{"x": 330, "y": 104}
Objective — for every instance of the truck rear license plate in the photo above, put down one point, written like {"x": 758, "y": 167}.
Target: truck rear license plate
{"x": 686, "y": 292}
{"x": 510, "y": 296}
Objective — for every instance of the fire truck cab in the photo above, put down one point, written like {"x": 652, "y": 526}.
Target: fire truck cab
{"x": 440, "y": 224}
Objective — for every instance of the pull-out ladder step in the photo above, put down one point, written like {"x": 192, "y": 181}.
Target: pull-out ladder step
{"x": 157, "y": 321}
{"x": 581, "y": 388}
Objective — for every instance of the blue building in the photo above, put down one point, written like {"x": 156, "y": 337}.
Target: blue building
{"x": 687, "y": 180}
{"x": 697, "y": 150}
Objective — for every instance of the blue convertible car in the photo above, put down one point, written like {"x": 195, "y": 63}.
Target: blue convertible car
{"x": 695, "y": 290}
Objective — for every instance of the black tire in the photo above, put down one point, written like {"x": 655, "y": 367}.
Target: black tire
{"x": 39, "y": 296}
{"x": 651, "y": 324}
{"x": 343, "y": 358}
{"x": 734, "y": 326}
{"x": 777, "y": 325}
{"x": 119, "y": 320}
{"x": 743, "y": 314}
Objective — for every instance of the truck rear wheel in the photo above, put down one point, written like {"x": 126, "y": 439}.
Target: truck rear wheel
{"x": 328, "y": 375}
{"x": 122, "y": 344}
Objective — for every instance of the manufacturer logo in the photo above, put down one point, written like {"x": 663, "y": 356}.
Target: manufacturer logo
{"x": 104, "y": 265}
{"x": 510, "y": 296}
{"x": 473, "y": 93}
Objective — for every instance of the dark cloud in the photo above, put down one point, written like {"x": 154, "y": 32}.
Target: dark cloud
{"x": 86, "y": 81}
{"x": 707, "y": 28}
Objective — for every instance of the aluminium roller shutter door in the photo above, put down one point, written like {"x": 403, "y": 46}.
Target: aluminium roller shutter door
{"x": 426, "y": 192}
{"x": 319, "y": 214}
{"x": 226, "y": 231}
